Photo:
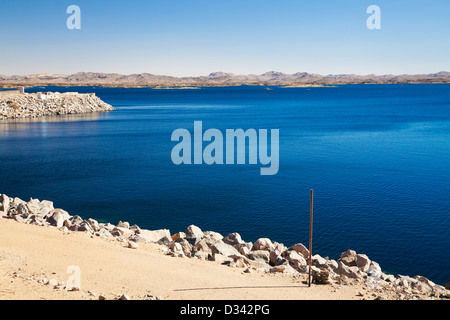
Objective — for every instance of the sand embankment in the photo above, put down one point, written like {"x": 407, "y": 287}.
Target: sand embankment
{"x": 46, "y": 252}
{"x": 31, "y": 254}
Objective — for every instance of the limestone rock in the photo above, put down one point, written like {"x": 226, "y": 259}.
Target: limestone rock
{"x": 75, "y": 222}
{"x": 349, "y": 271}
{"x": 320, "y": 276}
{"x": 374, "y": 269}
{"x": 318, "y": 261}
{"x": 22, "y": 209}
{"x": 108, "y": 226}
{"x": 263, "y": 255}
{"x": 205, "y": 245}
{"x": 138, "y": 238}
{"x": 223, "y": 249}
{"x": 37, "y": 220}
{"x": 155, "y": 235}
{"x": 176, "y": 247}
{"x": 424, "y": 284}
{"x": 85, "y": 227}
{"x": 57, "y": 217}
{"x": 244, "y": 250}
{"x": 179, "y": 235}
{"x": 33, "y": 208}
{"x": 296, "y": 260}
{"x": 202, "y": 255}
{"x": 186, "y": 247}
{"x": 233, "y": 239}
{"x": 332, "y": 264}
{"x": 164, "y": 241}
{"x": 4, "y": 203}
{"x": 263, "y": 244}
{"x": 362, "y": 262}
{"x": 387, "y": 277}
{"x": 212, "y": 236}
{"x": 348, "y": 258}
{"x": 301, "y": 249}
{"x": 46, "y": 204}
{"x": 194, "y": 232}
{"x": 221, "y": 258}
{"x": 132, "y": 245}
{"x": 290, "y": 270}
{"x": 123, "y": 225}
{"x": 94, "y": 224}
{"x": 239, "y": 261}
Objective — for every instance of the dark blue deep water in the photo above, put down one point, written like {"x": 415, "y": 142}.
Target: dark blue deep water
{"x": 377, "y": 156}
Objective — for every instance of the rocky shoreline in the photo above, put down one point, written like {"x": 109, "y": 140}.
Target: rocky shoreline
{"x": 264, "y": 255}
{"x": 16, "y": 105}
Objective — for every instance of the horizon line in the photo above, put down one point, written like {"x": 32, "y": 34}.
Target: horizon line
{"x": 225, "y": 73}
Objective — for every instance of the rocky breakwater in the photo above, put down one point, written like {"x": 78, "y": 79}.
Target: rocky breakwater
{"x": 264, "y": 255}
{"x": 15, "y": 105}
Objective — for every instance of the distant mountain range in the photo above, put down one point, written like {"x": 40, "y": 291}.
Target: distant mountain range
{"x": 216, "y": 79}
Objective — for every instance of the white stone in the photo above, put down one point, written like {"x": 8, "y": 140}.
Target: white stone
{"x": 263, "y": 244}
{"x": 132, "y": 245}
{"x": 57, "y": 217}
{"x": 4, "y": 203}
{"x": 194, "y": 232}
{"x": 223, "y": 249}
{"x": 363, "y": 262}
{"x": 155, "y": 235}
{"x": 301, "y": 249}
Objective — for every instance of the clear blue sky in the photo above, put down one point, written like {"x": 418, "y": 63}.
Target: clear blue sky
{"x": 196, "y": 37}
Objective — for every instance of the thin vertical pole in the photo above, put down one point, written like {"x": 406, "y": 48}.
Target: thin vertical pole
{"x": 310, "y": 236}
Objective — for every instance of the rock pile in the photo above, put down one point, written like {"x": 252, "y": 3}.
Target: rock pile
{"x": 263, "y": 255}
{"x": 15, "y": 105}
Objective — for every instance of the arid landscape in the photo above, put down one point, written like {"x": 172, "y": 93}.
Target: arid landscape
{"x": 215, "y": 79}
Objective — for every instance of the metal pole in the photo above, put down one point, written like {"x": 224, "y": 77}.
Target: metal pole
{"x": 310, "y": 236}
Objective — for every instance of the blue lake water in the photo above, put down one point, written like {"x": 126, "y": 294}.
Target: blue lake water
{"x": 377, "y": 157}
